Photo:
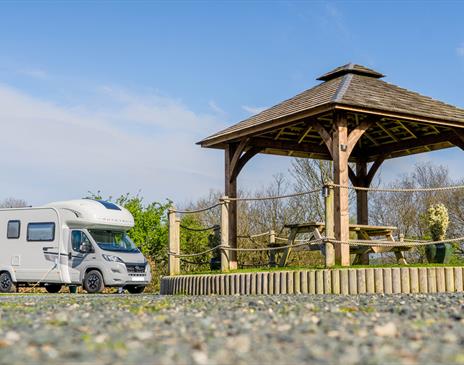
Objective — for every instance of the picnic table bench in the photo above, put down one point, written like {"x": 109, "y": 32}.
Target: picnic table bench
{"x": 364, "y": 232}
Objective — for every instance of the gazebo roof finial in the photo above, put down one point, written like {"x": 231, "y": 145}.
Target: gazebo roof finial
{"x": 350, "y": 68}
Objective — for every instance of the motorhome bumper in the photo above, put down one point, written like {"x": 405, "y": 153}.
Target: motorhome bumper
{"x": 117, "y": 274}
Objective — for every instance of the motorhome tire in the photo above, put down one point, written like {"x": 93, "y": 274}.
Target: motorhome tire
{"x": 135, "y": 289}
{"x": 53, "y": 288}
{"x": 6, "y": 284}
{"x": 93, "y": 282}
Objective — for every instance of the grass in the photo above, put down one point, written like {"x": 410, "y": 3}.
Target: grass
{"x": 316, "y": 267}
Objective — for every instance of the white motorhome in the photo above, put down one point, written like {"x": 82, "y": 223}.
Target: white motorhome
{"x": 76, "y": 242}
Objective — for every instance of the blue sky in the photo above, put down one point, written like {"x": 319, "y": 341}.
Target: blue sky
{"x": 113, "y": 95}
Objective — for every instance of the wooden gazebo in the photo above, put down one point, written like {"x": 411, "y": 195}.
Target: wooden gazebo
{"x": 352, "y": 116}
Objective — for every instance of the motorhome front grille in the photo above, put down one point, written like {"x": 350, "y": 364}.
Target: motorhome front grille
{"x": 135, "y": 268}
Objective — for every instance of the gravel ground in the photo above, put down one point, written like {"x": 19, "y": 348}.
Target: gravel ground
{"x": 150, "y": 329}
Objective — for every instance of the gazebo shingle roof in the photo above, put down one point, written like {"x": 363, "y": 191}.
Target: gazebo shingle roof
{"x": 350, "y": 87}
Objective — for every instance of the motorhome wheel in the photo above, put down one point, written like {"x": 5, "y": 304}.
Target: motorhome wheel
{"x": 135, "y": 289}
{"x": 93, "y": 282}
{"x": 6, "y": 284}
{"x": 53, "y": 288}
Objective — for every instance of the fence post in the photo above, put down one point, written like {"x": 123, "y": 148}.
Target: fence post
{"x": 328, "y": 193}
{"x": 272, "y": 240}
{"x": 224, "y": 233}
{"x": 174, "y": 242}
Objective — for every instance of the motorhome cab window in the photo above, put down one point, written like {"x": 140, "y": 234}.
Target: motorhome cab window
{"x": 77, "y": 239}
{"x": 113, "y": 241}
{"x": 41, "y": 231}
{"x": 13, "y": 230}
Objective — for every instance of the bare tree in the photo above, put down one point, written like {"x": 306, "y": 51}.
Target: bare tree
{"x": 13, "y": 203}
{"x": 308, "y": 175}
{"x": 405, "y": 210}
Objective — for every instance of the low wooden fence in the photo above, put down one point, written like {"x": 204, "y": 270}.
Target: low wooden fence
{"x": 326, "y": 281}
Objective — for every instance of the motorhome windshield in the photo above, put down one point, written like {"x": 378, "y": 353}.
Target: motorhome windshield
{"x": 113, "y": 241}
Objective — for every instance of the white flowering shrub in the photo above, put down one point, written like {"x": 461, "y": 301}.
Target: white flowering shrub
{"x": 438, "y": 221}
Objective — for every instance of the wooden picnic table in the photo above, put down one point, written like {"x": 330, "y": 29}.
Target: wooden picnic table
{"x": 364, "y": 232}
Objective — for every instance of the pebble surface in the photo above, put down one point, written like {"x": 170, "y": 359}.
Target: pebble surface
{"x": 151, "y": 329}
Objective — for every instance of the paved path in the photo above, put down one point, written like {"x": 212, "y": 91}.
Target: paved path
{"x": 149, "y": 329}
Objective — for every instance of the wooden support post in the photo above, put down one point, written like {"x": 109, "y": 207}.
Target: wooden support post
{"x": 174, "y": 242}
{"x": 225, "y": 264}
{"x": 230, "y": 190}
{"x": 272, "y": 253}
{"x": 329, "y": 225}
{"x": 362, "y": 206}
{"x": 340, "y": 159}
{"x": 399, "y": 254}
{"x": 340, "y": 145}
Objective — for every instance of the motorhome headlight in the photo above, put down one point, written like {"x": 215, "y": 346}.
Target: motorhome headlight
{"x": 112, "y": 258}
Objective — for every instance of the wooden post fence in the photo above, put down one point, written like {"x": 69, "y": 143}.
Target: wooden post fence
{"x": 272, "y": 253}
{"x": 174, "y": 242}
{"x": 329, "y": 225}
{"x": 225, "y": 234}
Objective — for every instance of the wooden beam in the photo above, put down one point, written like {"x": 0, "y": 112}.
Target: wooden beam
{"x": 341, "y": 211}
{"x": 353, "y": 177}
{"x": 230, "y": 191}
{"x": 459, "y": 134}
{"x": 373, "y": 170}
{"x": 279, "y": 134}
{"x": 303, "y": 135}
{"x": 260, "y": 128}
{"x": 458, "y": 143}
{"x": 356, "y": 134}
{"x": 403, "y": 116}
{"x": 247, "y": 156}
{"x": 361, "y": 195}
{"x": 237, "y": 153}
{"x": 326, "y": 137}
{"x": 234, "y": 163}
{"x": 406, "y": 128}
{"x": 434, "y": 128}
{"x": 386, "y": 131}
{"x": 288, "y": 146}
{"x": 409, "y": 144}
{"x": 371, "y": 139}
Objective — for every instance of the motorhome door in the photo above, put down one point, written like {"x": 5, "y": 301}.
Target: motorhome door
{"x": 76, "y": 255}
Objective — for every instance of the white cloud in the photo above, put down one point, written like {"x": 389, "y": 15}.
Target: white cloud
{"x": 216, "y": 108}
{"x": 460, "y": 50}
{"x": 129, "y": 142}
{"x": 253, "y": 109}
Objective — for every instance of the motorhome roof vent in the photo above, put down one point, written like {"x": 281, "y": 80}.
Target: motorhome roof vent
{"x": 108, "y": 205}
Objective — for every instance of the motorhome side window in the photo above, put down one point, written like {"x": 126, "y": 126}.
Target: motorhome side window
{"x": 13, "y": 229}
{"x": 41, "y": 231}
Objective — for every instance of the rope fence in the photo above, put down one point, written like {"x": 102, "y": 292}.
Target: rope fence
{"x": 326, "y": 191}
{"x": 293, "y": 195}
{"x": 372, "y": 243}
{"x": 397, "y": 190}
{"x": 193, "y": 211}
{"x": 210, "y": 228}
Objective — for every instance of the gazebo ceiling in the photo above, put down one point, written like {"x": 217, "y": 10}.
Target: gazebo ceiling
{"x": 386, "y": 137}
{"x": 401, "y": 122}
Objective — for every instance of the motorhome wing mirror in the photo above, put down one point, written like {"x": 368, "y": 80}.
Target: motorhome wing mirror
{"x": 85, "y": 248}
